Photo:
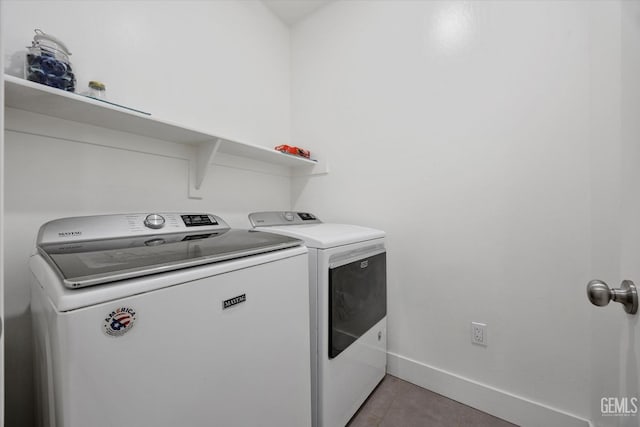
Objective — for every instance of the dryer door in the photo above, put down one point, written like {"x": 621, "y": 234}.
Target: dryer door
{"x": 357, "y": 296}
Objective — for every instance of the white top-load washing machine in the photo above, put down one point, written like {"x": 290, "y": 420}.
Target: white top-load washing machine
{"x": 168, "y": 320}
{"x": 348, "y": 308}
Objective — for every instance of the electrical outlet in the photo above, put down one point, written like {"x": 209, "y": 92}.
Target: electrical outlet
{"x": 479, "y": 333}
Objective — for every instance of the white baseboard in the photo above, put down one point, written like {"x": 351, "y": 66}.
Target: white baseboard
{"x": 502, "y": 404}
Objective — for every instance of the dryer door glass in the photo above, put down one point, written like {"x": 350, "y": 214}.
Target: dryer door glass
{"x": 357, "y": 300}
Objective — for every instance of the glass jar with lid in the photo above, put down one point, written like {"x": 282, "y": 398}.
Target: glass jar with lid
{"x": 97, "y": 90}
{"x": 48, "y": 62}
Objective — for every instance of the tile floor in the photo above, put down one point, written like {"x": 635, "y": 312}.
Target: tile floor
{"x": 397, "y": 403}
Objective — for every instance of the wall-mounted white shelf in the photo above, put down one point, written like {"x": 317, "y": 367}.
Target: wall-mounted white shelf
{"x": 36, "y": 98}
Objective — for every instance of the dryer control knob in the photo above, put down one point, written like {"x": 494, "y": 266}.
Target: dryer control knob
{"x": 288, "y": 216}
{"x": 154, "y": 221}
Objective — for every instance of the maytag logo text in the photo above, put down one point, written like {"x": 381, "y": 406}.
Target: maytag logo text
{"x": 69, "y": 233}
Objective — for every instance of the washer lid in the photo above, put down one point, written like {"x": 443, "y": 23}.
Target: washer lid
{"x": 92, "y": 262}
{"x": 66, "y": 299}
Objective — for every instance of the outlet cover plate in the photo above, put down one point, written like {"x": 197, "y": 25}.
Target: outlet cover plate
{"x": 479, "y": 333}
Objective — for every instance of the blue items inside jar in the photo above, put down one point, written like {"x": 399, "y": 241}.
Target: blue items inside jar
{"x": 43, "y": 67}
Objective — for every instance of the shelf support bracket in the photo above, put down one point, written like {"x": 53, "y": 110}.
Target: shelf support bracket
{"x": 202, "y": 156}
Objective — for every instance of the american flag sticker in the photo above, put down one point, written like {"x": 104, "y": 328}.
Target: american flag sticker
{"x": 119, "y": 321}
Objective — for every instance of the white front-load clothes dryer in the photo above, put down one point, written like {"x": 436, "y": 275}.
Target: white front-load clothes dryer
{"x": 348, "y": 309}
{"x": 168, "y": 320}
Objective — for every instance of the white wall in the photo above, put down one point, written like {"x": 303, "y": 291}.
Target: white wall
{"x": 462, "y": 129}
{"x": 220, "y": 66}
{"x": 2, "y": 299}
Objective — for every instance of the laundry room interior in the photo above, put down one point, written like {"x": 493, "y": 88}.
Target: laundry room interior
{"x": 493, "y": 142}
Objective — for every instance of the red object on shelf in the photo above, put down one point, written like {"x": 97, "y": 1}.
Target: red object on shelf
{"x": 294, "y": 150}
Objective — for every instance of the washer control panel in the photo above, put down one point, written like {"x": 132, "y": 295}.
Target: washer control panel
{"x": 273, "y": 218}
{"x": 127, "y": 225}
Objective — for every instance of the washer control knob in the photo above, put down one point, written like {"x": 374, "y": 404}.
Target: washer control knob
{"x": 288, "y": 216}
{"x": 154, "y": 221}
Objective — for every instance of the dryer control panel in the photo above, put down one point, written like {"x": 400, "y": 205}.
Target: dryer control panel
{"x": 273, "y": 218}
